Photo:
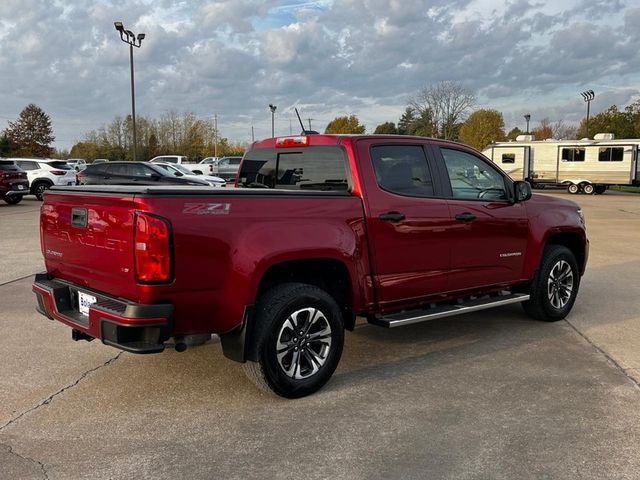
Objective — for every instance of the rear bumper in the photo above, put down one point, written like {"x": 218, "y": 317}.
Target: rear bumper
{"x": 133, "y": 327}
{"x": 9, "y": 190}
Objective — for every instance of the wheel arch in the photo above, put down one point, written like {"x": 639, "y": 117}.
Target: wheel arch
{"x": 39, "y": 181}
{"x": 574, "y": 242}
{"x": 329, "y": 274}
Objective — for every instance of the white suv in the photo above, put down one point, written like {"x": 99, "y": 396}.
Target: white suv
{"x": 44, "y": 173}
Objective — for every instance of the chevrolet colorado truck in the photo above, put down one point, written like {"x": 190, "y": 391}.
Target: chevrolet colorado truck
{"x": 321, "y": 229}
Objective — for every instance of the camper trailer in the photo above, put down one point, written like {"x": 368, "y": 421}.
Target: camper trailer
{"x": 582, "y": 166}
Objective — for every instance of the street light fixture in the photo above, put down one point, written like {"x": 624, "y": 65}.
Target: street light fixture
{"x": 273, "y": 112}
{"x": 587, "y": 96}
{"x": 127, "y": 36}
{"x": 527, "y": 117}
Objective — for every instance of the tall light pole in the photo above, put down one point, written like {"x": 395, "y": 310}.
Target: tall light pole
{"x": 127, "y": 36}
{"x": 587, "y": 96}
{"x": 527, "y": 117}
{"x": 273, "y": 112}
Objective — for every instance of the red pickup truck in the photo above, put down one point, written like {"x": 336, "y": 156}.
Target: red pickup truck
{"x": 323, "y": 228}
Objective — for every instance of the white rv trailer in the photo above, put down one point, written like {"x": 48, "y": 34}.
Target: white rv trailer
{"x": 583, "y": 166}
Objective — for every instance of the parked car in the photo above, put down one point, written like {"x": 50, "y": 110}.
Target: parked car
{"x": 132, "y": 173}
{"x": 100, "y": 160}
{"x": 395, "y": 229}
{"x": 181, "y": 171}
{"x": 227, "y": 167}
{"x": 44, "y": 173}
{"x": 77, "y": 163}
{"x": 195, "y": 168}
{"x": 14, "y": 183}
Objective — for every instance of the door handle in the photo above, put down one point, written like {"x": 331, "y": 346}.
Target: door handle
{"x": 391, "y": 217}
{"x": 466, "y": 217}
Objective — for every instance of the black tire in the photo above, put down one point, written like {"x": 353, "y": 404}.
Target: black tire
{"x": 13, "y": 200}
{"x": 600, "y": 189}
{"x": 552, "y": 292}
{"x": 39, "y": 189}
{"x": 573, "y": 189}
{"x": 588, "y": 188}
{"x": 315, "y": 313}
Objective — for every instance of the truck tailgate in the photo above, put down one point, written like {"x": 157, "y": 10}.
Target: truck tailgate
{"x": 88, "y": 240}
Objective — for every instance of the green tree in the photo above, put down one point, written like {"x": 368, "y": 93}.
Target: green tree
{"x": 513, "y": 133}
{"x": 482, "y": 128}
{"x": 621, "y": 124}
{"x": 5, "y": 146}
{"x": 31, "y": 134}
{"x": 386, "y": 128}
{"x": 346, "y": 124}
{"x": 413, "y": 123}
{"x": 406, "y": 121}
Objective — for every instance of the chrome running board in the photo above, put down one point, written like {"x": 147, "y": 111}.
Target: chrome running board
{"x": 443, "y": 311}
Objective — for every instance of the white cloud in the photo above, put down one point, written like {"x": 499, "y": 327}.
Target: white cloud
{"x": 333, "y": 57}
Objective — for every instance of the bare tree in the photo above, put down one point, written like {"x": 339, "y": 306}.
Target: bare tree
{"x": 447, "y": 103}
{"x": 562, "y": 131}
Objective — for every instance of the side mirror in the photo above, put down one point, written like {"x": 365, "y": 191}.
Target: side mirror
{"x": 521, "y": 191}
{"x": 179, "y": 174}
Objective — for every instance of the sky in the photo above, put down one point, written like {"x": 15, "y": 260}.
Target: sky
{"x": 327, "y": 58}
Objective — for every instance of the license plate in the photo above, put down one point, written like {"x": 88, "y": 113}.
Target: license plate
{"x": 84, "y": 302}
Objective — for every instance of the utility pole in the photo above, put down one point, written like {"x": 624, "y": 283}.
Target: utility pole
{"x": 253, "y": 138}
{"x": 215, "y": 135}
{"x": 309, "y": 120}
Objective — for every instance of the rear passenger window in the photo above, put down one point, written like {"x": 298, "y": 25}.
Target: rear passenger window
{"x": 508, "y": 158}
{"x": 402, "y": 169}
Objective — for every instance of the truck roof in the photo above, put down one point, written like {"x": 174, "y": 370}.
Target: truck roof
{"x": 332, "y": 139}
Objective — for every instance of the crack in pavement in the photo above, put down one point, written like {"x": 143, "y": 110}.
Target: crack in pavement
{"x": 16, "y": 279}
{"x": 42, "y": 466}
{"x": 49, "y": 399}
{"x": 611, "y": 360}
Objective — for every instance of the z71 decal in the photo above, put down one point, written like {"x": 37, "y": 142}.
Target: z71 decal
{"x": 206, "y": 208}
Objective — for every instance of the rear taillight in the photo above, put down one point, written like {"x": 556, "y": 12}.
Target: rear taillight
{"x": 58, "y": 172}
{"x": 4, "y": 174}
{"x": 152, "y": 249}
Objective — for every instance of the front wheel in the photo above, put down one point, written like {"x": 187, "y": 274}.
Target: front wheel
{"x": 13, "y": 200}
{"x": 555, "y": 286}
{"x": 298, "y": 340}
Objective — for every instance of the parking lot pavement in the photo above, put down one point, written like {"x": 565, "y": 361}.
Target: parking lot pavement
{"x": 488, "y": 395}
{"x": 20, "y": 239}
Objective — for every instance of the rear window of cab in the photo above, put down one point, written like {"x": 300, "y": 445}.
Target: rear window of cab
{"x": 321, "y": 168}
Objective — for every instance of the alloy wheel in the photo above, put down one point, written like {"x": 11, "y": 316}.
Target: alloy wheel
{"x": 560, "y": 284}
{"x": 303, "y": 343}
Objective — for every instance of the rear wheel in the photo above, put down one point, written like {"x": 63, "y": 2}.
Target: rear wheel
{"x": 573, "y": 188}
{"x": 297, "y": 340}
{"x": 39, "y": 189}
{"x": 588, "y": 188}
{"x": 13, "y": 200}
{"x": 555, "y": 286}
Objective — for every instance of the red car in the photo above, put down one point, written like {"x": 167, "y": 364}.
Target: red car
{"x": 324, "y": 228}
{"x": 13, "y": 182}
